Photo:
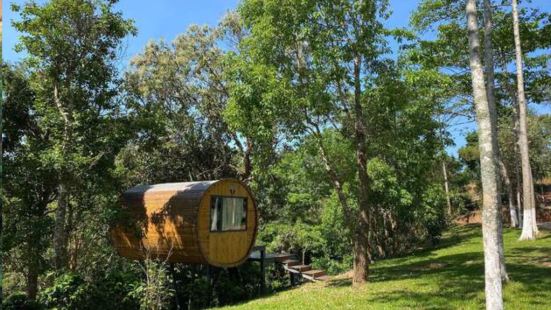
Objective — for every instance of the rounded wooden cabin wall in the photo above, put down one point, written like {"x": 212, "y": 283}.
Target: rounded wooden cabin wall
{"x": 228, "y": 248}
{"x": 166, "y": 216}
{"x": 174, "y": 219}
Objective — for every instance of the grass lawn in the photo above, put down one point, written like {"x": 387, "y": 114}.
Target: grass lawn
{"x": 449, "y": 277}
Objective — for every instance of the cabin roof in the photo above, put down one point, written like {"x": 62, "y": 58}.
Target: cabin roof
{"x": 198, "y": 186}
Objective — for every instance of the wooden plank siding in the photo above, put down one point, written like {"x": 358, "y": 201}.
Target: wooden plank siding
{"x": 174, "y": 219}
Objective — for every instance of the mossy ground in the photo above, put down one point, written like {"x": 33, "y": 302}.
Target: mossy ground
{"x": 450, "y": 276}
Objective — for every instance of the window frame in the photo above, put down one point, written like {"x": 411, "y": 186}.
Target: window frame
{"x": 212, "y": 201}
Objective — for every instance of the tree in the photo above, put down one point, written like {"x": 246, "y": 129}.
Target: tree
{"x": 347, "y": 66}
{"x": 529, "y": 227}
{"x": 177, "y": 93}
{"x": 295, "y": 78}
{"x": 490, "y": 94}
{"x": 28, "y": 187}
{"x": 487, "y": 134}
{"x": 445, "y": 53}
{"x": 71, "y": 47}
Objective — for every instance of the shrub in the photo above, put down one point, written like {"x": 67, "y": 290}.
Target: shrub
{"x": 68, "y": 291}
{"x": 155, "y": 291}
{"x": 20, "y": 301}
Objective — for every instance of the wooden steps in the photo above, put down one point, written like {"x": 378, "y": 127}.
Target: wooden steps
{"x": 282, "y": 257}
{"x": 306, "y": 271}
{"x": 295, "y": 266}
{"x": 302, "y": 268}
{"x": 291, "y": 262}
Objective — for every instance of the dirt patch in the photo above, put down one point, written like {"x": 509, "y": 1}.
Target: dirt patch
{"x": 544, "y": 214}
{"x": 471, "y": 218}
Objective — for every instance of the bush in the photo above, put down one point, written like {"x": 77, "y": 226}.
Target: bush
{"x": 20, "y": 301}
{"x": 333, "y": 266}
{"x": 68, "y": 291}
{"x": 231, "y": 285}
{"x": 155, "y": 291}
{"x": 71, "y": 291}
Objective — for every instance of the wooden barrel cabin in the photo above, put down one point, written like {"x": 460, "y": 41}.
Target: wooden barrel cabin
{"x": 206, "y": 222}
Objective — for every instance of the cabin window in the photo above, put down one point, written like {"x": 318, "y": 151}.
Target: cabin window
{"x": 228, "y": 213}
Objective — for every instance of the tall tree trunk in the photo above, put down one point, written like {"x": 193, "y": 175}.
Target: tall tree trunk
{"x": 361, "y": 244}
{"x": 513, "y": 211}
{"x": 490, "y": 87}
{"x": 32, "y": 281}
{"x": 529, "y": 227}
{"x": 60, "y": 231}
{"x": 516, "y": 130}
{"x": 447, "y": 188}
{"x": 488, "y": 167}
{"x": 247, "y": 162}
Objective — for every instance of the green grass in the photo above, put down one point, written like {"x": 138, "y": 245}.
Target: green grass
{"x": 449, "y": 277}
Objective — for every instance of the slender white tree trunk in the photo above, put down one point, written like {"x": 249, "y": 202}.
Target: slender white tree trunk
{"x": 487, "y": 137}
{"x": 529, "y": 227}
{"x": 513, "y": 213}
{"x": 518, "y": 176}
{"x": 447, "y": 188}
{"x": 490, "y": 86}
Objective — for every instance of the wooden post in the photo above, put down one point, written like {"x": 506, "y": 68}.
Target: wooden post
{"x": 263, "y": 270}
{"x": 210, "y": 282}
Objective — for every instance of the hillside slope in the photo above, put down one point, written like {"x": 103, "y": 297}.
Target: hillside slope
{"x": 449, "y": 277}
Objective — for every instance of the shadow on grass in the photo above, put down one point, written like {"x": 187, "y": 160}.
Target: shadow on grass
{"x": 535, "y": 280}
{"x": 455, "y": 236}
{"x": 340, "y": 282}
{"x": 462, "y": 279}
{"x": 459, "y": 278}
{"x": 441, "y": 279}
{"x": 402, "y": 267}
{"x": 463, "y": 268}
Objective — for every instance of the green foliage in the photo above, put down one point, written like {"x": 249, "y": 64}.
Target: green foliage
{"x": 470, "y": 156}
{"x": 236, "y": 285}
{"x": 71, "y": 291}
{"x": 68, "y": 291}
{"x": 29, "y": 187}
{"x": 431, "y": 213}
{"x": 385, "y": 187}
{"x": 155, "y": 291}
{"x": 176, "y": 94}
{"x": 65, "y": 127}
{"x": 20, "y": 301}
{"x": 538, "y": 137}
{"x": 446, "y": 52}
{"x": 332, "y": 265}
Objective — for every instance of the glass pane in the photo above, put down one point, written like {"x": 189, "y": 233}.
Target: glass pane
{"x": 214, "y": 214}
{"x": 228, "y": 213}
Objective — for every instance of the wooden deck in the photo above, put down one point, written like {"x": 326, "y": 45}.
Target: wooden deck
{"x": 290, "y": 263}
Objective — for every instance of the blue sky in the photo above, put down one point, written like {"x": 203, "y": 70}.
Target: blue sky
{"x": 167, "y": 18}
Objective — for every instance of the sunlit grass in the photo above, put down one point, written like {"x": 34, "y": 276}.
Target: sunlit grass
{"x": 449, "y": 277}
